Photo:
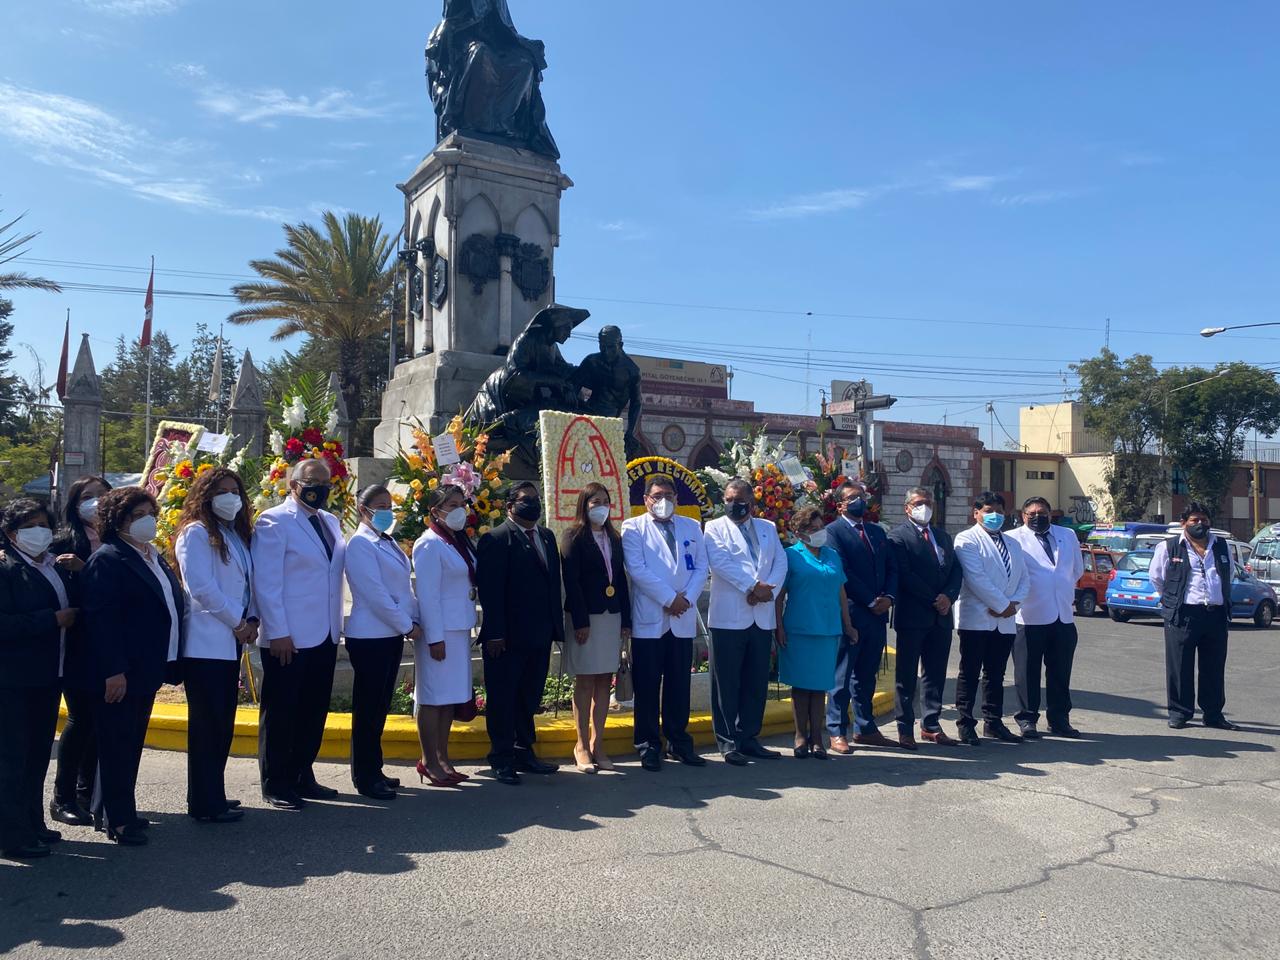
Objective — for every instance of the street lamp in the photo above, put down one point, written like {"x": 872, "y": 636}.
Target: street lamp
{"x": 1214, "y": 331}
{"x": 1164, "y": 426}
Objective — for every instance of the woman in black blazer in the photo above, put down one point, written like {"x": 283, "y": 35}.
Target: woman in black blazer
{"x": 35, "y": 612}
{"x": 133, "y": 619}
{"x": 599, "y": 608}
{"x": 77, "y": 747}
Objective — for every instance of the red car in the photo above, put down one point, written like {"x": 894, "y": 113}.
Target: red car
{"x": 1091, "y": 588}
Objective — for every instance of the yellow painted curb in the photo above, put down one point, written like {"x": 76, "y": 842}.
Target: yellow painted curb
{"x": 469, "y": 741}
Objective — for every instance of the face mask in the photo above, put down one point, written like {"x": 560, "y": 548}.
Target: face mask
{"x": 33, "y": 541}
{"x": 528, "y": 510}
{"x": 88, "y": 510}
{"x": 598, "y": 515}
{"x": 663, "y": 509}
{"x": 456, "y": 518}
{"x": 993, "y": 521}
{"x": 738, "y": 511}
{"x": 1039, "y": 523}
{"x": 817, "y": 539}
{"x": 315, "y": 495}
{"x": 922, "y": 514}
{"x": 383, "y": 520}
{"x": 143, "y": 530}
{"x": 226, "y": 506}
{"x": 1197, "y": 531}
{"x": 856, "y": 507}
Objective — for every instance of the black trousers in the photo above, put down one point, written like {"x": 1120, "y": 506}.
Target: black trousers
{"x": 514, "y": 682}
{"x": 122, "y": 732}
{"x": 739, "y": 684}
{"x": 984, "y": 652}
{"x": 1054, "y": 646}
{"x": 660, "y": 670}
{"x": 295, "y": 705}
{"x": 375, "y": 664}
{"x": 1190, "y": 632}
{"x": 77, "y": 750}
{"x": 28, "y": 722}
{"x": 212, "y": 687}
{"x": 920, "y": 650}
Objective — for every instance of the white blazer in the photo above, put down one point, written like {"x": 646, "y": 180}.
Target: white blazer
{"x": 215, "y": 594}
{"x": 377, "y": 572}
{"x": 657, "y": 577}
{"x": 734, "y": 573}
{"x": 986, "y": 585}
{"x": 298, "y": 589}
{"x": 1052, "y": 592}
{"x": 445, "y": 601}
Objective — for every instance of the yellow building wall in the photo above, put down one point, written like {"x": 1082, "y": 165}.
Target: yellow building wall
{"x": 1082, "y": 476}
{"x": 1025, "y": 488}
{"x": 1044, "y": 428}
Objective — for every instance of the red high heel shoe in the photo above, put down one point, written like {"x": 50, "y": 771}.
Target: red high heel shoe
{"x": 425, "y": 774}
{"x": 458, "y": 777}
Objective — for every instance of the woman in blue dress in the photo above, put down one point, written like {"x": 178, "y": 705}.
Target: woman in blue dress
{"x": 812, "y": 613}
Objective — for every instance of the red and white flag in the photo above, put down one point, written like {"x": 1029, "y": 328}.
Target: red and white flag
{"x": 148, "y": 306}
{"x": 62, "y": 363}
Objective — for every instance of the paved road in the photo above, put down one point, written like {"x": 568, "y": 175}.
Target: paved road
{"x": 1136, "y": 842}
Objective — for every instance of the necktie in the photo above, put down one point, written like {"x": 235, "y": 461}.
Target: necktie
{"x": 1044, "y": 542}
{"x": 668, "y": 531}
{"x": 924, "y": 532}
{"x": 749, "y": 535}
{"x": 1004, "y": 553}
{"x": 865, "y": 539}
{"x": 322, "y": 533}
{"x": 534, "y": 544}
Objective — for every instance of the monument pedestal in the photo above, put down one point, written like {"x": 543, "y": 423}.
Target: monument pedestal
{"x": 433, "y": 389}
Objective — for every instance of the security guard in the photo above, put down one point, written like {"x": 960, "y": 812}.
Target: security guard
{"x": 1192, "y": 574}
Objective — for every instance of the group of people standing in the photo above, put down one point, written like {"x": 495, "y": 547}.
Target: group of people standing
{"x": 101, "y": 618}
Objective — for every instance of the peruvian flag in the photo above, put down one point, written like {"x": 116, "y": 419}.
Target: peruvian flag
{"x": 62, "y": 363}
{"x": 148, "y": 306}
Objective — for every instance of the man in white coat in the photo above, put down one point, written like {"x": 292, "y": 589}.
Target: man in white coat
{"x": 1046, "y": 621}
{"x": 667, "y": 563}
{"x": 748, "y": 565}
{"x": 298, "y": 554}
{"x": 995, "y": 583}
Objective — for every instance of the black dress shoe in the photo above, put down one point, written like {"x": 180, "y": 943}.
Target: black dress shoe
{"x": 71, "y": 814}
{"x": 1064, "y": 730}
{"x": 507, "y": 775}
{"x": 30, "y": 851}
{"x": 998, "y": 731}
{"x": 1221, "y": 723}
{"x": 284, "y": 801}
{"x": 48, "y": 836}
{"x": 314, "y": 791}
{"x": 651, "y": 760}
{"x": 757, "y": 752}
{"x": 230, "y": 815}
{"x": 1177, "y": 723}
{"x": 233, "y": 804}
{"x": 968, "y": 736}
{"x": 379, "y": 791}
{"x": 141, "y": 823}
{"x": 736, "y": 758}
{"x": 129, "y": 836}
{"x": 1030, "y": 733}
{"x": 687, "y": 757}
{"x": 802, "y": 752}
{"x": 392, "y": 782}
{"x": 532, "y": 764}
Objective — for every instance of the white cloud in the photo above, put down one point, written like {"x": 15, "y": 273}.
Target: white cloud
{"x": 1033, "y": 197}
{"x": 970, "y": 183}
{"x": 814, "y": 204}
{"x": 270, "y": 104}
{"x": 133, "y": 8}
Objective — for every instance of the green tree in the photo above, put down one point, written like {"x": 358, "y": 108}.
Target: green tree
{"x": 1122, "y": 404}
{"x": 194, "y": 372}
{"x": 11, "y": 395}
{"x": 332, "y": 283}
{"x": 12, "y": 247}
{"x": 1208, "y": 423}
{"x": 124, "y": 399}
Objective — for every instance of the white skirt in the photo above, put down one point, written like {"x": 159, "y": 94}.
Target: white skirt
{"x": 603, "y": 650}
{"x": 438, "y": 683}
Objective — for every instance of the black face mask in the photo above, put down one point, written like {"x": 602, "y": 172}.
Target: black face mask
{"x": 315, "y": 495}
{"x": 738, "y": 511}
{"x": 528, "y": 510}
{"x": 1197, "y": 531}
{"x": 1039, "y": 523}
{"x": 856, "y": 507}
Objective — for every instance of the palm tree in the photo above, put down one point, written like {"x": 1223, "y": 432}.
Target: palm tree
{"x": 330, "y": 283}
{"x": 10, "y": 249}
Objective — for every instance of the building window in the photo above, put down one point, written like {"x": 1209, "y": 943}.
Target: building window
{"x": 1178, "y": 482}
{"x": 1039, "y": 474}
{"x": 1046, "y": 474}
{"x": 997, "y": 475}
{"x": 1033, "y": 474}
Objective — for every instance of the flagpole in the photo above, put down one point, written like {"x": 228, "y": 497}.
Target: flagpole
{"x": 217, "y": 396}
{"x": 146, "y": 439}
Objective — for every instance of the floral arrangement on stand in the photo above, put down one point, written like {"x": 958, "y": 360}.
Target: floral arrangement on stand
{"x": 756, "y": 460}
{"x": 184, "y": 463}
{"x": 481, "y": 476}
{"x": 828, "y": 475}
{"x": 308, "y": 419}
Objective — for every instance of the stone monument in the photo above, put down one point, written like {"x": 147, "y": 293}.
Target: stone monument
{"x": 248, "y": 414}
{"x": 82, "y": 420}
{"x": 482, "y": 219}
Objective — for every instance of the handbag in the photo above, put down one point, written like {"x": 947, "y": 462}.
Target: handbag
{"x": 624, "y": 689}
{"x": 467, "y": 710}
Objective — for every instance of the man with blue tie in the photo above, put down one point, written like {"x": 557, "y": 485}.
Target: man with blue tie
{"x": 872, "y": 582}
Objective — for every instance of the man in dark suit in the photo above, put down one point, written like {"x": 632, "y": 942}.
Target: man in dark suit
{"x": 518, "y": 580}
{"x": 872, "y": 582}
{"x": 928, "y": 583}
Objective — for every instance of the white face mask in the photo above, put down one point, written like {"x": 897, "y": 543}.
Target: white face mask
{"x": 33, "y": 541}
{"x": 456, "y": 519}
{"x": 598, "y": 515}
{"x": 817, "y": 539}
{"x": 143, "y": 530}
{"x": 88, "y": 510}
{"x": 227, "y": 505}
{"x": 663, "y": 509}
{"x": 922, "y": 514}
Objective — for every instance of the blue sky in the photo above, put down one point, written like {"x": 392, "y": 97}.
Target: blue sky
{"x": 949, "y": 199}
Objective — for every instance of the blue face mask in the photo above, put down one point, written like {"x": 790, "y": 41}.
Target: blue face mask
{"x": 856, "y": 507}
{"x": 383, "y": 520}
{"x": 993, "y": 521}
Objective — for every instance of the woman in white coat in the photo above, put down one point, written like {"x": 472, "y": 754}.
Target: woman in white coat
{"x": 214, "y": 562}
{"x": 444, "y": 561}
{"x": 383, "y": 613}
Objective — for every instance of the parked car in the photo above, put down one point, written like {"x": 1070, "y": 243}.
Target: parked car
{"x": 1123, "y": 537}
{"x": 1130, "y": 593}
{"x": 1265, "y": 562}
{"x": 1241, "y": 552}
{"x": 1091, "y": 588}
